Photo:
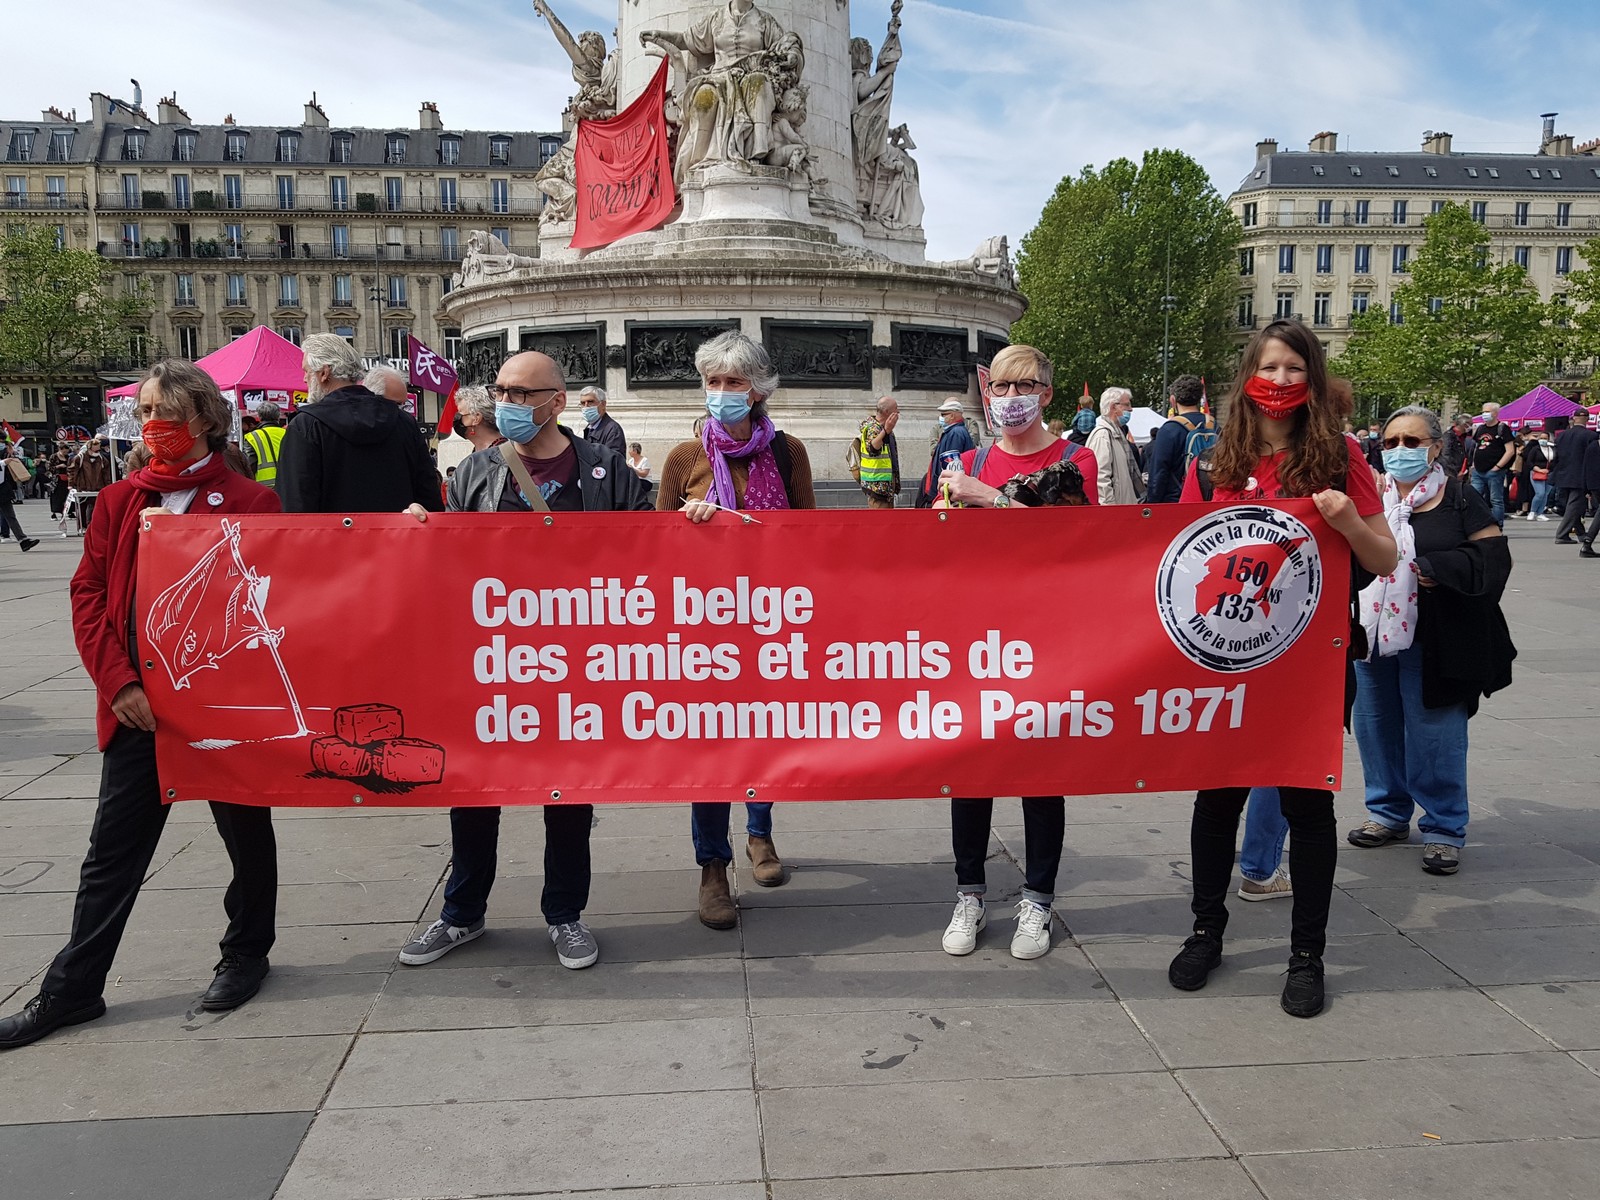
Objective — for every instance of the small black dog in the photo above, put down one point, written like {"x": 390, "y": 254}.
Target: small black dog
{"x": 1058, "y": 485}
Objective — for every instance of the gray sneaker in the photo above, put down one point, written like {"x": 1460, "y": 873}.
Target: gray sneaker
{"x": 575, "y": 945}
{"x": 436, "y": 941}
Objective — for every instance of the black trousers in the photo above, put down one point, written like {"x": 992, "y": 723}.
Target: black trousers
{"x": 1313, "y": 849}
{"x": 474, "y": 841}
{"x": 127, "y": 826}
{"x": 9, "y": 525}
{"x": 1572, "y": 515}
{"x": 1044, "y": 826}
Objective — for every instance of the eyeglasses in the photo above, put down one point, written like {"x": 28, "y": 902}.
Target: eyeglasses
{"x": 1408, "y": 440}
{"x": 1015, "y": 387}
{"x": 518, "y": 395}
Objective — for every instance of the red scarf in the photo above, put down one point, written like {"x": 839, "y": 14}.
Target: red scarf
{"x": 150, "y": 480}
{"x": 1276, "y": 401}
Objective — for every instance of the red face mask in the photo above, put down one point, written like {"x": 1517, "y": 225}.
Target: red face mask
{"x": 169, "y": 441}
{"x": 1275, "y": 400}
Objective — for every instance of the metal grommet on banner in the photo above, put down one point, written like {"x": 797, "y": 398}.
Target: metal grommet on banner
{"x": 549, "y": 520}
{"x": 1333, "y": 780}
{"x": 945, "y": 790}
{"x": 556, "y": 794}
{"x": 1139, "y": 783}
{"x": 1338, "y": 641}
{"x": 347, "y": 522}
{"x": 355, "y": 799}
{"x": 944, "y": 516}
{"x": 148, "y": 665}
{"x": 749, "y": 793}
{"x": 1144, "y": 512}
{"x": 172, "y": 793}
{"x": 145, "y": 528}
{"x": 747, "y": 519}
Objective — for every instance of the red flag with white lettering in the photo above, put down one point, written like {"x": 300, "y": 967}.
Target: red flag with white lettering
{"x": 623, "y": 171}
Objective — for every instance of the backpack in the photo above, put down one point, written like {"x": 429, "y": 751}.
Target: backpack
{"x": 1198, "y": 442}
{"x": 852, "y": 458}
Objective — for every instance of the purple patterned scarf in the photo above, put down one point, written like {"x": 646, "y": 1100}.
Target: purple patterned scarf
{"x": 764, "y": 489}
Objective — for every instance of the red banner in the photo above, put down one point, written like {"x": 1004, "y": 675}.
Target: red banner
{"x": 510, "y": 659}
{"x": 623, "y": 170}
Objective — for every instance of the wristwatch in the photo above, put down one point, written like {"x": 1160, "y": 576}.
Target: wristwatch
{"x": 1001, "y": 500}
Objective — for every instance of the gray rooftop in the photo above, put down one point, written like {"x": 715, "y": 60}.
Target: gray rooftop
{"x": 1416, "y": 170}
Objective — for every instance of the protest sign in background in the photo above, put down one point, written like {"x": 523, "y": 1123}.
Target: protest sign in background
{"x": 504, "y": 659}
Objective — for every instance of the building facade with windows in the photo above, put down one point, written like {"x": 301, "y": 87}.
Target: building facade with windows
{"x": 1328, "y": 234}
{"x": 306, "y": 228}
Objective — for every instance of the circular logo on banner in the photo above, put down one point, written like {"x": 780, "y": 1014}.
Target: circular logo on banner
{"x": 1238, "y": 586}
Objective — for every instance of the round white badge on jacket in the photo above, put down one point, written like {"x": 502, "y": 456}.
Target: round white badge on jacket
{"x": 599, "y": 472}
{"x": 214, "y": 499}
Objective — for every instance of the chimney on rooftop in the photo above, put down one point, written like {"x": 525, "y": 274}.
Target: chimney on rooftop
{"x": 316, "y": 118}
{"x": 168, "y": 112}
{"x": 1325, "y": 143}
{"x": 1560, "y": 146}
{"x": 1435, "y": 143}
{"x": 1266, "y": 147}
{"x": 1549, "y": 120}
{"x": 429, "y": 117}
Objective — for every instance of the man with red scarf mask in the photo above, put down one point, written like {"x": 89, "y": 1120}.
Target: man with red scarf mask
{"x": 191, "y": 469}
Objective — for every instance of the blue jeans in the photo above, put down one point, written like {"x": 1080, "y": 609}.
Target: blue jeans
{"x": 1541, "y": 493}
{"x": 708, "y": 825}
{"x": 1265, "y": 829}
{"x": 1411, "y": 756}
{"x": 1491, "y": 485}
{"x": 474, "y": 845}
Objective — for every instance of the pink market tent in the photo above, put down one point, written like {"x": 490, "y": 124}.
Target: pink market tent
{"x": 1538, "y": 404}
{"x": 259, "y": 366}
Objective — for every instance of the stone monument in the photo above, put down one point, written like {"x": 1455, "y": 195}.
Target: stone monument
{"x": 800, "y": 222}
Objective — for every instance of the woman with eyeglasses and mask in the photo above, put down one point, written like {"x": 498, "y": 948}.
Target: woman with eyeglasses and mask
{"x": 739, "y": 461}
{"x": 1019, "y": 389}
{"x": 1437, "y": 642}
{"x": 1283, "y": 438}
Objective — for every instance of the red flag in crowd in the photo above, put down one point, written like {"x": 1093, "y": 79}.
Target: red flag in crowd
{"x": 623, "y": 170}
{"x": 433, "y": 374}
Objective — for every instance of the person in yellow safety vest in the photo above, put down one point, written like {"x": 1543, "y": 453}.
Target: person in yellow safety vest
{"x": 880, "y": 456}
{"x": 263, "y": 445}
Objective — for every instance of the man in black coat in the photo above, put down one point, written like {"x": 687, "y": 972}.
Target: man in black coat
{"x": 349, "y": 450}
{"x": 1577, "y": 469}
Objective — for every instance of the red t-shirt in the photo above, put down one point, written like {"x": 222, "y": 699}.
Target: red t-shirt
{"x": 1000, "y": 468}
{"x": 1359, "y": 484}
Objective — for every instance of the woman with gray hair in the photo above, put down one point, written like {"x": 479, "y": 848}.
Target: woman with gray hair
{"x": 740, "y": 461}
{"x": 1438, "y": 642}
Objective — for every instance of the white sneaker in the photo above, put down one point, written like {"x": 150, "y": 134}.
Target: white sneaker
{"x": 1032, "y": 938}
{"x": 1541, "y": 517}
{"x": 961, "y": 935}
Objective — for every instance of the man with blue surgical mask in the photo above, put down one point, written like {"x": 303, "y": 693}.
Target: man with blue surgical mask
{"x": 597, "y": 427}
{"x": 539, "y": 467}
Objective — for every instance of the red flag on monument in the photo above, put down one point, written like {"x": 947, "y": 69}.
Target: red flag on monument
{"x": 623, "y": 171}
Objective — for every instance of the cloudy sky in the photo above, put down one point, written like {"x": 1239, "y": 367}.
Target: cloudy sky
{"x": 1003, "y": 97}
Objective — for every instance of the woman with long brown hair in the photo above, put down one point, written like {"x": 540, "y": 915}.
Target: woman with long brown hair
{"x": 191, "y": 467}
{"x": 1283, "y": 438}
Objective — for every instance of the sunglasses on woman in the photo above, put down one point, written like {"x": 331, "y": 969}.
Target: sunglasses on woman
{"x": 1409, "y": 441}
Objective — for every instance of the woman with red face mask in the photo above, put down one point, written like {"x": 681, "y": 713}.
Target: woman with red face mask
{"x": 188, "y": 467}
{"x": 1283, "y": 438}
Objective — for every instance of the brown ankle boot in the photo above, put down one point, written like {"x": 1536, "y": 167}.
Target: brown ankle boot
{"x": 764, "y": 862}
{"x": 716, "y": 904}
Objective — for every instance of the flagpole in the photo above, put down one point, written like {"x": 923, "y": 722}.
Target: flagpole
{"x": 270, "y": 636}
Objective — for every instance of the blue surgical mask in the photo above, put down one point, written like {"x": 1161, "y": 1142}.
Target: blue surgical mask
{"x": 591, "y": 415}
{"x": 1124, "y": 419}
{"x": 1406, "y": 465}
{"x": 515, "y": 422}
{"x": 728, "y": 408}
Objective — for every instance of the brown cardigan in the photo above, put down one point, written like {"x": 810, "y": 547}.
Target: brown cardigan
{"x": 687, "y": 476}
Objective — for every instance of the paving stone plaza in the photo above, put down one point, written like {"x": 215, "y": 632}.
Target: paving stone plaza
{"x": 826, "y": 1049}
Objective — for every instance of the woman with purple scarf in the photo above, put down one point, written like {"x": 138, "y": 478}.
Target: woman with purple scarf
{"x": 739, "y": 462}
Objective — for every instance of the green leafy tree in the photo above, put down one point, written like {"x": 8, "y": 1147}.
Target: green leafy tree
{"x": 1471, "y": 330}
{"x": 1094, "y": 271}
{"x": 1580, "y": 335}
{"x": 61, "y": 313}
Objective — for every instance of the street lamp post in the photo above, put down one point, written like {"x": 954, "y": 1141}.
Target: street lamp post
{"x": 375, "y": 293}
{"x": 1168, "y": 303}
